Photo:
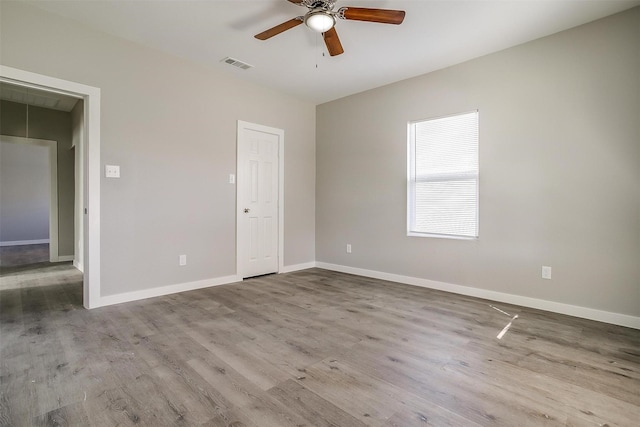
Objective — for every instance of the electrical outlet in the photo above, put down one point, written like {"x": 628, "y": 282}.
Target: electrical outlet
{"x": 546, "y": 272}
{"x": 183, "y": 260}
{"x": 348, "y": 248}
{"x": 112, "y": 171}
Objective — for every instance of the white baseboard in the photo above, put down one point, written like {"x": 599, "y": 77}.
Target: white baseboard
{"x": 556, "y": 307}
{"x": 297, "y": 267}
{"x": 181, "y": 287}
{"x": 165, "y": 290}
{"x": 24, "y": 242}
{"x": 65, "y": 258}
{"x": 78, "y": 266}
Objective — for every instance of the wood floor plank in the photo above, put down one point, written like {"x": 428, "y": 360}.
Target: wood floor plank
{"x": 316, "y": 410}
{"x": 421, "y": 418}
{"x": 574, "y": 367}
{"x": 71, "y": 415}
{"x": 369, "y": 398}
{"x": 255, "y": 404}
{"x": 138, "y": 403}
{"x": 475, "y": 397}
{"x": 227, "y": 419}
{"x": 310, "y": 348}
{"x": 250, "y": 364}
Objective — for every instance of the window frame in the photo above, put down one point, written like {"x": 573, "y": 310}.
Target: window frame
{"x": 411, "y": 181}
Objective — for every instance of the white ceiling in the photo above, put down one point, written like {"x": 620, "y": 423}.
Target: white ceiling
{"x": 434, "y": 35}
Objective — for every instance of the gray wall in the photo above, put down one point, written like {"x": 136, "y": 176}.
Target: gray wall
{"x": 171, "y": 126}
{"x": 25, "y": 182}
{"x": 559, "y": 170}
{"x": 54, "y": 125}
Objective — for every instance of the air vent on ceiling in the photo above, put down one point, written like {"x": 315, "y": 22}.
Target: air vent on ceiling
{"x": 237, "y": 63}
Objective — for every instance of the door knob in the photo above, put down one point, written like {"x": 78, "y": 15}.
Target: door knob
{"x": 246, "y": 210}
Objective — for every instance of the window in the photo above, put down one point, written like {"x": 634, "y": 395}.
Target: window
{"x": 443, "y": 177}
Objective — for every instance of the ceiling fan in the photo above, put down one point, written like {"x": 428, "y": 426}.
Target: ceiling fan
{"x": 322, "y": 18}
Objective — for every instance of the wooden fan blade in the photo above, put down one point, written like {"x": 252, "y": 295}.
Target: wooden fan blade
{"x": 279, "y": 29}
{"x": 383, "y": 16}
{"x": 298, "y": 2}
{"x": 332, "y": 41}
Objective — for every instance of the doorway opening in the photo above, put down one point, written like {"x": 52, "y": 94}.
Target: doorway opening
{"x": 28, "y": 200}
{"x": 87, "y": 171}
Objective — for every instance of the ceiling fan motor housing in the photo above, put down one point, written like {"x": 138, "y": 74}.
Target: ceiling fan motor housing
{"x": 319, "y": 4}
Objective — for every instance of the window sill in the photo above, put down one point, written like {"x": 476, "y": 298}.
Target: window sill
{"x": 440, "y": 236}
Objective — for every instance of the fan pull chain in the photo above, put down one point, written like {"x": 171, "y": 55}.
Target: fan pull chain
{"x": 318, "y": 48}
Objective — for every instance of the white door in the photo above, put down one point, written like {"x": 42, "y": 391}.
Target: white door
{"x": 257, "y": 197}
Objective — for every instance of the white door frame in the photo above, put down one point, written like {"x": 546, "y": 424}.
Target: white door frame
{"x": 91, "y": 176}
{"x": 260, "y": 128}
{"x": 53, "y": 186}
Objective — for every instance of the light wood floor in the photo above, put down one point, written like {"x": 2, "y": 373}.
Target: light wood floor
{"x": 311, "y": 348}
{"x": 28, "y": 266}
{"x": 12, "y": 256}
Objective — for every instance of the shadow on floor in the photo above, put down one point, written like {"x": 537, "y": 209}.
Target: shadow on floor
{"x": 15, "y": 256}
{"x": 28, "y": 266}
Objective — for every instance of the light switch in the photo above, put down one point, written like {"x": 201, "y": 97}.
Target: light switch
{"x": 232, "y": 178}
{"x": 112, "y": 171}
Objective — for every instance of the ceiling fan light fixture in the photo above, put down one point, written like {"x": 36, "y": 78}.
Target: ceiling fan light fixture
{"x": 319, "y": 20}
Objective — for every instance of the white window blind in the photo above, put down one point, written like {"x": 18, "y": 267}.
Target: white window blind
{"x": 443, "y": 176}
